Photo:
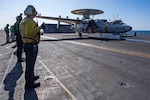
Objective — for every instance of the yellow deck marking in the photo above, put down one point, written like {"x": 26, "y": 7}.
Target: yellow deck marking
{"x": 62, "y": 85}
{"x": 133, "y": 53}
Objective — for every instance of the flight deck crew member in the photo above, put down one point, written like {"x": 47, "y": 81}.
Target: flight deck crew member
{"x": 18, "y": 39}
{"x": 30, "y": 33}
{"x": 6, "y": 29}
{"x": 12, "y": 36}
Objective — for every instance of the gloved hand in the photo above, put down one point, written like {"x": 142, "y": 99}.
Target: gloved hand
{"x": 42, "y": 26}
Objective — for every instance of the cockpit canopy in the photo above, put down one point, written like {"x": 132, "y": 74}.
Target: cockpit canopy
{"x": 117, "y": 22}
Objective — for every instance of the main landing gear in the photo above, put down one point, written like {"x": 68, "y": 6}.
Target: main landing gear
{"x": 80, "y": 34}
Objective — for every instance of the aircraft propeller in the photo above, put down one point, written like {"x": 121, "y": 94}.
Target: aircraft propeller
{"x": 91, "y": 26}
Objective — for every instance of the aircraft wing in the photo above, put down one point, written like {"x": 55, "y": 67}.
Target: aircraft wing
{"x": 65, "y": 20}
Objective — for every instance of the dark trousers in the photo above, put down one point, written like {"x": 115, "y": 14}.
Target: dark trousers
{"x": 7, "y": 37}
{"x": 19, "y": 48}
{"x": 31, "y": 51}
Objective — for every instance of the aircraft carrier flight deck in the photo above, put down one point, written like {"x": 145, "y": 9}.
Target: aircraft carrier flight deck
{"x": 72, "y": 68}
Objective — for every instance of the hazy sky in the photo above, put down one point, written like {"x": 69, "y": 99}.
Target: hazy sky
{"x": 132, "y": 12}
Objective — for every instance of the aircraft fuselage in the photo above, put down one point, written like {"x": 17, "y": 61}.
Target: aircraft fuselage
{"x": 102, "y": 26}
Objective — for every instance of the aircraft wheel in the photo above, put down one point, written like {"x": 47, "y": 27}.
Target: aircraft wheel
{"x": 121, "y": 36}
{"x": 80, "y": 34}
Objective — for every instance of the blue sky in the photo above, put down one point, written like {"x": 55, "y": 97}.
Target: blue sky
{"x": 133, "y": 12}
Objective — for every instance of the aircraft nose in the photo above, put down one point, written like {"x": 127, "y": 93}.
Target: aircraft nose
{"x": 128, "y": 28}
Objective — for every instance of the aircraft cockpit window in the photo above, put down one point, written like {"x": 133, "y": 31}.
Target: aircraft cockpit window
{"x": 120, "y": 22}
{"x": 105, "y": 20}
{"x": 117, "y": 22}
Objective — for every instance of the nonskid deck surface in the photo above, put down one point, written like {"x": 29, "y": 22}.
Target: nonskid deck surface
{"x": 71, "y": 68}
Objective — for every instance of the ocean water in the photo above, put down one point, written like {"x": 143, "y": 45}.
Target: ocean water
{"x": 139, "y": 33}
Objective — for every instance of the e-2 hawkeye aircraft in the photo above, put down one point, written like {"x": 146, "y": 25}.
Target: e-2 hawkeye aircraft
{"x": 89, "y": 25}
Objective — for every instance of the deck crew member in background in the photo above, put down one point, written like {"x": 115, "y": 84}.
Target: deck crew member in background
{"x": 18, "y": 39}
{"x": 12, "y": 36}
{"x": 30, "y": 33}
{"x": 6, "y": 29}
